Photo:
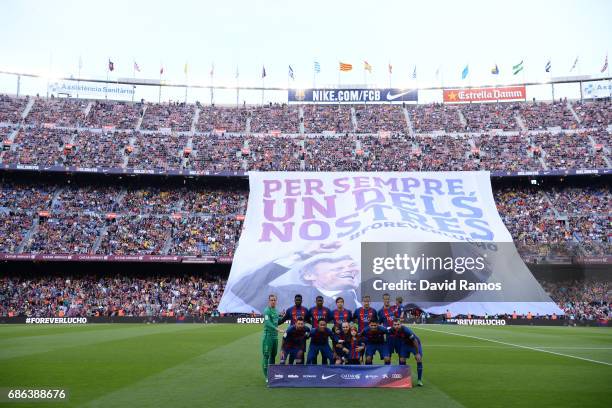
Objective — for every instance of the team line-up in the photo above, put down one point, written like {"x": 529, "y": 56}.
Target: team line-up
{"x": 355, "y": 337}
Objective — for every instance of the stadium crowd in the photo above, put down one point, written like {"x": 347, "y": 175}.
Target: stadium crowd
{"x": 109, "y": 296}
{"x": 199, "y": 296}
{"x": 47, "y": 218}
{"x": 217, "y": 152}
{"x": 69, "y": 132}
{"x": 582, "y": 300}
{"x": 372, "y": 118}
{"x": 104, "y": 219}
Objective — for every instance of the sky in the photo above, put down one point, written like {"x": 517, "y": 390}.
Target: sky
{"x": 49, "y": 37}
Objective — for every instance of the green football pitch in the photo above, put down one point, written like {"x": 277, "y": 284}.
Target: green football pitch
{"x": 218, "y": 365}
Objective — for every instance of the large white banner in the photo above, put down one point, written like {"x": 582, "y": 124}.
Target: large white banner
{"x": 303, "y": 230}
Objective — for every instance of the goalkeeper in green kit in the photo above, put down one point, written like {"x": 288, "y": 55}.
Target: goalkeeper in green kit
{"x": 269, "y": 343}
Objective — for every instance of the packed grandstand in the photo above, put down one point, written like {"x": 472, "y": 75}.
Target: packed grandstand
{"x": 44, "y": 216}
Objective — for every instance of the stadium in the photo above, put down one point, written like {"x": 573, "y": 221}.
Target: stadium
{"x": 436, "y": 225}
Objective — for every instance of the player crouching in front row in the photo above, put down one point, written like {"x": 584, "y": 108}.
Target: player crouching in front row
{"x": 319, "y": 343}
{"x": 294, "y": 342}
{"x": 375, "y": 340}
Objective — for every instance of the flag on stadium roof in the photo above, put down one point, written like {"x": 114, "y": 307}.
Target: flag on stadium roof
{"x": 237, "y": 72}
{"x": 345, "y": 67}
{"x": 414, "y": 74}
{"x": 548, "y": 66}
{"x": 390, "y": 68}
{"x": 317, "y": 67}
{"x": 517, "y": 68}
{"x": 291, "y": 75}
{"x": 465, "y": 72}
{"x": 111, "y": 65}
{"x": 80, "y": 62}
{"x": 574, "y": 64}
{"x": 495, "y": 70}
{"x": 605, "y": 65}
{"x": 212, "y": 70}
{"x": 437, "y": 72}
{"x": 161, "y": 70}
{"x": 263, "y": 71}
{"x": 186, "y": 68}
{"x": 366, "y": 66}
{"x": 136, "y": 67}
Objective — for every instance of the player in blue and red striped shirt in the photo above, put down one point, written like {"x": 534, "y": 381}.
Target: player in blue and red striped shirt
{"x": 386, "y": 314}
{"x": 406, "y": 342}
{"x": 398, "y": 308}
{"x": 341, "y": 315}
{"x": 319, "y": 343}
{"x": 319, "y": 312}
{"x": 364, "y": 314}
{"x": 294, "y": 312}
{"x": 374, "y": 337}
{"x": 294, "y": 342}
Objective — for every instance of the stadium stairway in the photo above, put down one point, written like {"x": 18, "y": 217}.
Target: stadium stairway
{"x": 408, "y": 121}
{"x": 521, "y": 122}
{"x": 87, "y": 109}
{"x": 354, "y": 119}
{"x": 194, "y": 122}
{"x": 55, "y": 199}
{"x": 126, "y": 157}
{"x": 245, "y": 159}
{"x": 301, "y": 119}
{"x": 140, "y": 119}
{"x": 26, "y": 238}
{"x": 542, "y": 161}
{"x": 167, "y": 242}
{"x": 462, "y": 118}
{"x": 247, "y": 126}
{"x": 28, "y": 108}
{"x": 574, "y": 114}
{"x": 550, "y": 203}
{"x": 98, "y": 241}
{"x": 189, "y": 145}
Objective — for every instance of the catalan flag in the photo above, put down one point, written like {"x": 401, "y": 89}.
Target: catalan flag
{"x": 345, "y": 67}
{"x": 517, "y": 68}
{"x": 574, "y": 64}
{"x": 366, "y": 66}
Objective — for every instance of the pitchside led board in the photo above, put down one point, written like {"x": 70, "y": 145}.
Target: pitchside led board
{"x": 434, "y": 238}
{"x": 353, "y": 95}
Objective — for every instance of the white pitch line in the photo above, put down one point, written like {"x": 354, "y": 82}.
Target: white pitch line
{"x": 539, "y": 347}
{"x": 519, "y": 346}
